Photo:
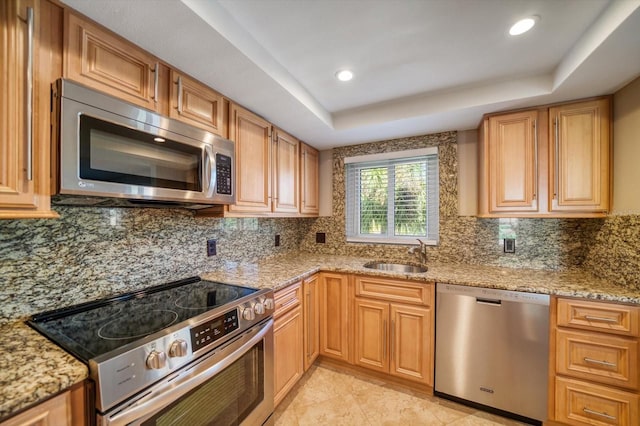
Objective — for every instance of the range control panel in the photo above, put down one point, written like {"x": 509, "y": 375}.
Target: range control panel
{"x": 207, "y": 333}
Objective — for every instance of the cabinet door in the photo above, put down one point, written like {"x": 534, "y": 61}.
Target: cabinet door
{"x": 286, "y": 175}
{"x": 311, "y": 308}
{"x": 580, "y": 156}
{"x": 334, "y": 314}
{"x": 253, "y": 166}
{"x": 99, "y": 59}
{"x": 24, "y": 109}
{"x": 288, "y": 362}
{"x": 371, "y": 334}
{"x": 309, "y": 166}
{"x": 196, "y": 104}
{"x": 513, "y": 162}
{"x": 53, "y": 412}
{"x": 412, "y": 343}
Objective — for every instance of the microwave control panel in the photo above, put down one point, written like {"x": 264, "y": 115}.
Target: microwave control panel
{"x": 223, "y": 174}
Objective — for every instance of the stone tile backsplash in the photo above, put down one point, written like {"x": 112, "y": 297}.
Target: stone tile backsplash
{"x": 94, "y": 252}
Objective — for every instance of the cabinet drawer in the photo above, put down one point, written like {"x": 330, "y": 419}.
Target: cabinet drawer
{"x": 579, "y": 403}
{"x": 287, "y": 299}
{"x": 597, "y": 316}
{"x": 602, "y": 358}
{"x": 392, "y": 290}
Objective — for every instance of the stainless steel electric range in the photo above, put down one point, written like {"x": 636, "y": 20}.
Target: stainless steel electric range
{"x": 191, "y": 352}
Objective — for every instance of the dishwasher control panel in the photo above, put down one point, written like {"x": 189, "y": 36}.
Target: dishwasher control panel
{"x": 495, "y": 294}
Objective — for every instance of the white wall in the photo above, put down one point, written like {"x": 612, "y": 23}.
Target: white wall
{"x": 626, "y": 149}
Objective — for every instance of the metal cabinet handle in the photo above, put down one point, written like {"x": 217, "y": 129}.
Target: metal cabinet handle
{"x": 156, "y": 71}
{"x": 597, "y": 361}
{"x": 180, "y": 94}
{"x": 384, "y": 339}
{"x": 535, "y": 159}
{"x": 556, "y": 159}
{"x": 393, "y": 337}
{"x": 603, "y": 319}
{"x": 29, "y": 103}
{"x": 598, "y": 413}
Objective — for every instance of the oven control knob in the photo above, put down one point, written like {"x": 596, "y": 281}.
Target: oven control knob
{"x": 268, "y": 303}
{"x": 258, "y": 308}
{"x": 248, "y": 314}
{"x": 156, "y": 360}
{"x": 179, "y": 348}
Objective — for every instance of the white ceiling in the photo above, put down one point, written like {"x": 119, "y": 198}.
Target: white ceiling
{"x": 421, "y": 66}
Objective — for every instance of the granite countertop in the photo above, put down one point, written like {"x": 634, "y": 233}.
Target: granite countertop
{"x": 32, "y": 368}
{"x": 282, "y": 270}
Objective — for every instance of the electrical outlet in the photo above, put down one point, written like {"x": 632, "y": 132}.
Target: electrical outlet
{"x": 321, "y": 237}
{"x": 509, "y": 245}
{"x": 277, "y": 240}
{"x": 211, "y": 248}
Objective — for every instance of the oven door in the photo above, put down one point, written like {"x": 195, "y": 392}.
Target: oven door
{"x": 231, "y": 385}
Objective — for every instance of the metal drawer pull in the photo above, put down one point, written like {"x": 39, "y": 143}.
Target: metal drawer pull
{"x": 603, "y": 319}
{"x": 596, "y": 361}
{"x": 598, "y": 413}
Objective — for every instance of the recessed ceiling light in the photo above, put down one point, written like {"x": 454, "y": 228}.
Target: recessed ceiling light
{"x": 344, "y": 75}
{"x": 158, "y": 139}
{"x": 523, "y": 25}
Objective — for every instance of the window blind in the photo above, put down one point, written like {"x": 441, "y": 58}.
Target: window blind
{"x": 393, "y": 199}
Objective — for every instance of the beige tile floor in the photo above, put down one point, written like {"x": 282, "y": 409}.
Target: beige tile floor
{"x": 325, "y": 396}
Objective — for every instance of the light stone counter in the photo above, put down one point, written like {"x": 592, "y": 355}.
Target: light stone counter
{"x": 280, "y": 271}
{"x": 32, "y": 368}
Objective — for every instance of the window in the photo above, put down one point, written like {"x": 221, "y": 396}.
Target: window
{"x": 393, "y": 197}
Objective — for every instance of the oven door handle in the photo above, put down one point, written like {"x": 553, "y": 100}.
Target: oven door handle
{"x": 193, "y": 377}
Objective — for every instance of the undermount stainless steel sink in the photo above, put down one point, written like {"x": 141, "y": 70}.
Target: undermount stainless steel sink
{"x": 396, "y": 267}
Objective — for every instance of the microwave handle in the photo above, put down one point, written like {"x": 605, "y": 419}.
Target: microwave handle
{"x": 210, "y": 170}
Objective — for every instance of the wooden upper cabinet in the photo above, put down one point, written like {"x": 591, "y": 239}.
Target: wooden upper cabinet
{"x": 253, "y": 163}
{"x": 286, "y": 174}
{"x": 551, "y": 161}
{"x": 309, "y": 180}
{"x": 99, "y": 59}
{"x": 196, "y": 104}
{"x": 512, "y": 158}
{"x": 581, "y": 155}
{"x": 25, "y": 126}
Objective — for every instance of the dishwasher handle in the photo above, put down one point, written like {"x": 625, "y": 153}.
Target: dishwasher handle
{"x": 490, "y": 302}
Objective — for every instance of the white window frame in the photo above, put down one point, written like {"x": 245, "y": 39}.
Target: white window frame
{"x": 352, "y": 211}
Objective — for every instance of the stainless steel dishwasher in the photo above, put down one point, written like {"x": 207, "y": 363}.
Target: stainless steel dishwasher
{"x": 492, "y": 349}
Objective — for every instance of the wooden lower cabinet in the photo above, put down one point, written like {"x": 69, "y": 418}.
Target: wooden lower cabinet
{"x": 594, "y": 376}
{"x": 311, "y": 310}
{"x": 288, "y": 340}
{"x": 334, "y": 316}
{"x": 411, "y": 349}
{"x": 394, "y": 338}
{"x": 65, "y": 409}
{"x": 582, "y": 403}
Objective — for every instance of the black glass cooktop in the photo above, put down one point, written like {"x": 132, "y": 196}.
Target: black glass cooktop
{"x": 95, "y": 328}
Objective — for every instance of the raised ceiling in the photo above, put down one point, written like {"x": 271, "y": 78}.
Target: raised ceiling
{"x": 421, "y": 66}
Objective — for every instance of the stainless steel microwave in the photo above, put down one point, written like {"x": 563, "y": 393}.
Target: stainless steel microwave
{"x": 108, "y": 152}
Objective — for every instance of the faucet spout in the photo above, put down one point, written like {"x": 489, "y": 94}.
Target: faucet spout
{"x": 422, "y": 251}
